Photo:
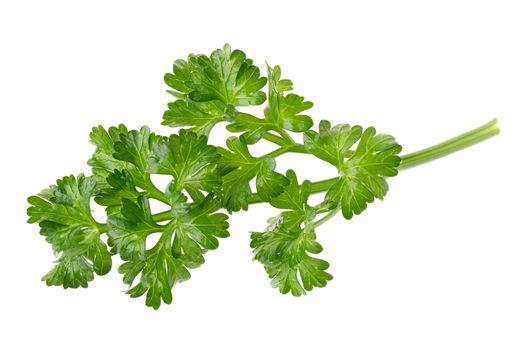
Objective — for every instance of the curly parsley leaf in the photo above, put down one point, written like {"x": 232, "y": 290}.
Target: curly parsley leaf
{"x": 205, "y": 86}
{"x": 103, "y": 162}
{"x": 159, "y": 271}
{"x": 363, "y": 174}
{"x": 176, "y": 199}
{"x": 190, "y": 160}
{"x": 253, "y": 128}
{"x": 179, "y": 79}
{"x": 120, "y": 149}
{"x": 285, "y": 111}
{"x": 293, "y": 197}
{"x": 120, "y": 165}
{"x": 121, "y": 186}
{"x": 239, "y": 167}
{"x": 181, "y": 246}
{"x": 128, "y": 231}
{"x": 201, "y": 116}
{"x": 64, "y": 215}
{"x": 284, "y": 249}
{"x": 135, "y": 147}
{"x": 331, "y": 144}
{"x": 227, "y": 76}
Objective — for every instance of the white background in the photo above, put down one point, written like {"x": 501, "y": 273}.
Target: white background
{"x": 439, "y": 264}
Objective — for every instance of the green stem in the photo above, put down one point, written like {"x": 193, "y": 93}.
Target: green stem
{"x": 425, "y": 155}
{"x": 159, "y": 217}
{"x": 327, "y": 217}
{"x": 102, "y": 228}
{"x": 450, "y": 146}
{"x": 285, "y": 140}
{"x": 166, "y": 215}
{"x": 407, "y": 161}
{"x": 275, "y": 139}
{"x": 323, "y": 185}
{"x": 295, "y": 148}
{"x": 163, "y": 216}
{"x": 277, "y": 152}
{"x": 153, "y": 192}
{"x": 286, "y": 137}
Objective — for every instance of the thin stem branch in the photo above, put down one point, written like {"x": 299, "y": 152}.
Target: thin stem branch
{"x": 163, "y": 216}
{"x": 442, "y": 149}
{"x": 450, "y": 146}
{"x": 153, "y": 192}
{"x": 277, "y": 152}
{"x": 327, "y": 217}
{"x": 274, "y": 139}
{"x": 289, "y": 140}
{"x": 411, "y": 160}
{"x": 296, "y": 148}
{"x": 102, "y": 228}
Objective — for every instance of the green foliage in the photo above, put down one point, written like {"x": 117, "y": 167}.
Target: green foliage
{"x": 284, "y": 247}
{"x": 181, "y": 246}
{"x": 206, "y": 86}
{"x": 189, "y": 159}
{"x": 64, "y": 215}
{"x": 363, "y": 171}
{"x": 159, "y": 249}
{"x": 283, "y": 112}
{"x": 332, "y": 144}
{"x": 102, "y": 162}
{"x": 122, "y": 165}
{"x": 119, "y": 186}
{"x": 239, "y": 167}
{"x": 118, "y": 149}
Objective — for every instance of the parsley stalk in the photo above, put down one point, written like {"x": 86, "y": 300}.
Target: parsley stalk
{"x": 408, "y": 161}
{"x": 450, "y": 146}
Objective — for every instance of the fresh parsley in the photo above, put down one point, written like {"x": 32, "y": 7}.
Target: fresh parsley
{"x": 206, "y": 183}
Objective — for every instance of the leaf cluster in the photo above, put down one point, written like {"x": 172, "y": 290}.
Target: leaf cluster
{"x": 206, "y": 183}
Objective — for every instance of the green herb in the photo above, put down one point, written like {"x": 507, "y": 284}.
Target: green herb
{"x": 208, "y": 181}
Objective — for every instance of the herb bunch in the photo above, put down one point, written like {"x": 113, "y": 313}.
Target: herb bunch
{"x": 206, "y": 181}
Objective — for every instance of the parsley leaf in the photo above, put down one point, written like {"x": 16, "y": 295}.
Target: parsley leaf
{"x": 253, "y": 128}
{"x": 363, "y": 174}
{"x": 120, "y": 149}
{"x": 181, "y": 246}
{"x": 64, "y": 215}
{"x": 201, "y": 115}
{"x": 206, "y": 86}
{"x": 283, "y": 248}
{"x": 294, "y": 197}
{"x": 332, "y": 143}
{"x": 190, "y": 160}
{"x": 120, "y": 165}
{"x": 285, "y": 257}
{"x": 227, "y": 76}
{"x": 239, "y": 167}
{"x": 134, "y": 147}
{"x": 102, "y": 162}
{"x": 283, "y": 112}
{"x": 120, "y": 186}
{"x": 128, "y": 231}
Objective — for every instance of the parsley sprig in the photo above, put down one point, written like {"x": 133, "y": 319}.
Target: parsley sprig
{"x": 206, "y": 183}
